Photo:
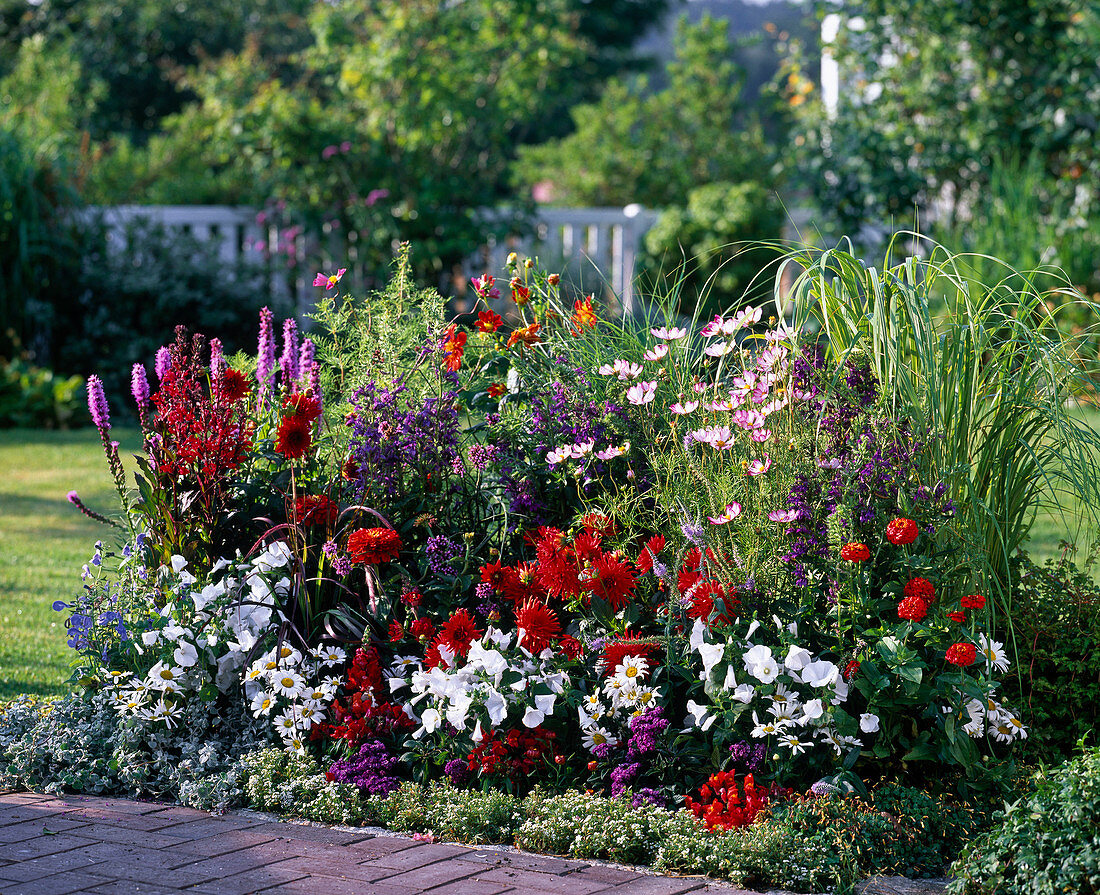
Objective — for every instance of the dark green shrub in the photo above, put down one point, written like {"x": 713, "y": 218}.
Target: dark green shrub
{"x": 1046, "y": 843}
{"x": 710, "y": 240}
{"x": 1056, "y": 622}
{"x": 33, "y": 397}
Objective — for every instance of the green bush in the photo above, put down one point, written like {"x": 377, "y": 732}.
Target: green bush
{"x": 1056, "y": 621}
{"x": 708, "y": 241}
{"x": 440, "y": 809}
{"x": 1046, "y": 843}
{"x": 280, "y": 781}
{"x": 33, "y": 397}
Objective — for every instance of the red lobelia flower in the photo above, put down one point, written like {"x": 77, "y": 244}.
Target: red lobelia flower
{"x": 901, "y": 531}
{"x": 538, "y": 625}
{"x": 294, "y": 437}
{"x": 370, "y": 546}
{"x": 961, "y": 654}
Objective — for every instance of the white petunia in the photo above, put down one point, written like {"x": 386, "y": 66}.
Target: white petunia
{"x": 797, "y": 658}
{"x": 496, "y": 707}
{"x": 700, "y": 715}
{"x": 821, "y": 673}
{"x": 711, "y": 654}
{"x": 812, "y": 710}
{"x": 533, "y": 717}
{"x": 186, "y": 654}
{"x": 744, "y": 693}
{"x": 766, "y": 671}
{"x": 868, "y": 722}
{"x": 430, "y": 720}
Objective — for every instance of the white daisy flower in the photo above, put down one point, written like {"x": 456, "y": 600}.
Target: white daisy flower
{"x": 597, "y": 736}
{"x": 288, "y": 683}
{"x": 993, "y": 653}
{"x": 632, "y": 668}
{"x": 262, "y": 703}
{"x": 329, "y": 656}
{"x": 792, "y": 742}
{"x": 286, "y": 723}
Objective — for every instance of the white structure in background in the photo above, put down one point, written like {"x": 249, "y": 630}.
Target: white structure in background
{"x": 597, "y": 246}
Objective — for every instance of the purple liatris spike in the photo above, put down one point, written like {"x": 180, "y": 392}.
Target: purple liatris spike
{"x": 265, "y": 355}
{"x": 288, "y": 363}
{"x": 97, "y": 404}
{"x": 163, "y": 362}
{"x": 306, "y": 361}
{"x": 139, "y": 385}
{"x": 217, "y": 359}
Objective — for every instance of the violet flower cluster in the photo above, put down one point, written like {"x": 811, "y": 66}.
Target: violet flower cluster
{"x": 371, "y": 769}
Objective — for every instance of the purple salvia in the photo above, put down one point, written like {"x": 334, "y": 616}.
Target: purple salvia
{"x": 217, "y": 359}
{"x": 306, "y": 361}
{"x": 265, "y": 355}
{"x": 163, "y": 362}
{"x": 139, "y": 386}
{"x": 97, "y": 404}
{"x": 288, "y": 363}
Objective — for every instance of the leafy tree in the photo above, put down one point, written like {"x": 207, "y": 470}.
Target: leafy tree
{"x": 933, "y": 91}
{"x": 655, "y": 147}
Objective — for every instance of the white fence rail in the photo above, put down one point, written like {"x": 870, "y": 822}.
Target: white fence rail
{"x": 598, "y": 246}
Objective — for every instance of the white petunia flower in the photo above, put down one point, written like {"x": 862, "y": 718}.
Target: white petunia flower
{"x": 868, "y": 722}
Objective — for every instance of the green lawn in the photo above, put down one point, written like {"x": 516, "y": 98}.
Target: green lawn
{"x": 44, "y": 542}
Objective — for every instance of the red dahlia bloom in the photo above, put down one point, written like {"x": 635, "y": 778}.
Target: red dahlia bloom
{"x": 396, "y": 632}
{"x": 370, "y": 546}
{"x": 458, "y": 632}
{"x": 901, "y": 531}
{"x": 538, "y": 626}
{"x": 961, "y": 654}
{"x": 233, "y": 385}
{"x": 294, "y": 437}
{"x": 855, "y": 552}
{"x": 422, "y": 629}
{"x": 302, "y": 407}
{"x": 612, "y": 579}
{"x": 319, "y": 509}
{"x": 921, "y": 588}
{"x": 652, "y": 549}
{"x": 912, "y": 609}
{"x": 570, "y": 647}
{"x": 972, "y": 601}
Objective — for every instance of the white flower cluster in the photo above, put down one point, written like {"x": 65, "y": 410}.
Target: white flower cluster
{"x": 627, "y": 694}
{"x": 497, "y": 677}
{"x": 987, "y": 717}
{"x": 203, "y": 637}
{"x": 798, "y": 696}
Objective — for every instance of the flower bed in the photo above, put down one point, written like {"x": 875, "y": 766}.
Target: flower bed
{"x": 712, "y": 571}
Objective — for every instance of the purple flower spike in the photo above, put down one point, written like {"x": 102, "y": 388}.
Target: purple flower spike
{"x": 265, "y": 356}
{"x": 217, "y": 359}
{"x": 73, "y": 498}
{"x": 306, "y": 361}
{"x": 139, "y": 385}
{"x": 288, "y": 363}
{"x": 97, "y": 404}
{"x": 163, "y": 363}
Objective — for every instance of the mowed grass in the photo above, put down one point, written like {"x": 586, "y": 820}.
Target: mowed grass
{"x": 44, "y": 542}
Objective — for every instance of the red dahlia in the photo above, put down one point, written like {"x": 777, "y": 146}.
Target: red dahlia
{"x": 612, "y": 579}
{"x": 422, "y": 629}
{"x": 538, "y": 626}
{"x": 912, "y": 609}
{"x": 851, "y": 670}
{"x": 370, "y": 546}
{"x": 571, "y": 647}
{"x": 614, "y": 651}
{"x": 458, "y": 632}
{"x": 961, "y": 654}
{"x": 294, "y": 437}
{"x": 556, "y": 567}
{"x": 972, "y": 601}
{"x": 921, "y": 588}
{"x": 233, "y": 385}
{"x": 901, "y": 531}
{"x": 302, "y": 407}
{"x": 310, "y": 509}
{"x": 855, "y": 552}
{"x": 652, "y": 549}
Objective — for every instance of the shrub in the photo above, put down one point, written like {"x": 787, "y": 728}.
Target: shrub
{"x": 33, "y": 397}
{"x": 442, "y": 810}
{"x": 291, "y": 784}
{"x": 1046, "y": 843}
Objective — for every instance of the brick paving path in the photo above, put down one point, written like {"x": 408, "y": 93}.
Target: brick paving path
{"x": 81, "y": 845}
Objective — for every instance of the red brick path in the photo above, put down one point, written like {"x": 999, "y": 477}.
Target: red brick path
{"x": 81, "y": 845}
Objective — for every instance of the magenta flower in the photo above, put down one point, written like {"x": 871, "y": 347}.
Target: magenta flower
{"x": 97, "y": 404}
{"x": 328, "y": 152}
{"x": 217, "y": 359}
{"x": 759, "y": 467}
{"x": 163, "y": 362}
{"x": 484, "y": 287}
{"x": 331, "y": 281}
{"x": 731, "y": 512}
{"x": 139, "y": 385}
{"x": 288, "y": 363}
{"x": 265, "y": 355}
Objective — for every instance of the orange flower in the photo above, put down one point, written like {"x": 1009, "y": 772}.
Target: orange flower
{"x": 497, "y": 389}
{"x": 584, "y": 315}
{"x": 370, "y": 546}
{"x": 454, "y": 344}
{"x": 527, "y": 335}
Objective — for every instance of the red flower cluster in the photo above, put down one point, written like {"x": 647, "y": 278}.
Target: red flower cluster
{"x": 972, "y": 601}
{"x": 618, "y": 648}
{"x": 855, "y": 552}
{"x": 705, "y": 595}
{"x": 651, "y": 551}
{"x": 370, "y": 546}
{"x": 961, "y": 654}
{"x": 851, "y": 670}
{"x": 316, "y": 509}
{"x": 488, "y": 322}
{"x": 957, "y": 616}
{"x": 539, "y": 626}
{"x": 901, "y": 531}
{"x": 921, "y": 588}
{"x": 456, "y": 635}
{"x": 912, "y": 609}
{"x": 722, "y": 805}
{"x": 362, "y": 711}
{"x": 514, "y": 756}
{"x": 454, "y": 345}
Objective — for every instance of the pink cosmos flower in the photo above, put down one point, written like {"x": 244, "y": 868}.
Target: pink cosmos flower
{"x": 720, "y": 349}
{"x": 783, "y": 515}
{"x": 624, "y": 369}
{"x": 680, "y": 408}
{"x": 657, "y": 352}
{"x": 759, "y": 467}
{"x": 641, "y": 393}
{"x": 669, "y": 335}
{"x": 731, "y": 512}
{"x": 760, "y": 435}
{"x": 329, "y": 282}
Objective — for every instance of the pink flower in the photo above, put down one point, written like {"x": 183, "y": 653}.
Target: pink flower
{"x": 686, "y": 407}
{"x": 720, "y": 349}
{"x": 657, "y": 352}
{"x": 759, "y": 467}
{"x": 669, "y": 335}
{"x": 483, "y": 286}
{"x": 329, "y": 282}
{"x": 783, "y": 515}
{"x": 328, "y": 152}
{"x": 760, "y": 435}
{"x": 641, "y": 393}
{"x": 624, "y": 369}
{"x": 732, "y": 511}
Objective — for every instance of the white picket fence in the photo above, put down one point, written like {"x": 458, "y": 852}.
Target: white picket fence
{"x": 596, "y": 246}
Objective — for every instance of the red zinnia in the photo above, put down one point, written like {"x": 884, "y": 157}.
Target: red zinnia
{"x": 370, "y": 546}
{"x": 957, "y": 616}
{"x": 454, "y": 345}
{"x": 310, "y": 509}
{"x": 539, "y": 626}
{"x": 855, "y": 552}
{"x": 458, "y": 632}
{"x": 488, "y": 322}
{"x": 612, "y": 580}
{"x": 961, "y": 654}
{"x": 912, "y": 609}
{"x": 614, "y": 651}
{"x": 294, "y": 437}
{"x": 302, "y": 407}
{"x": 233, "y": 386}
{"x": 901, "y": 531}
{"x": 921, "y": 588}
{"x": 972, "y": 601}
